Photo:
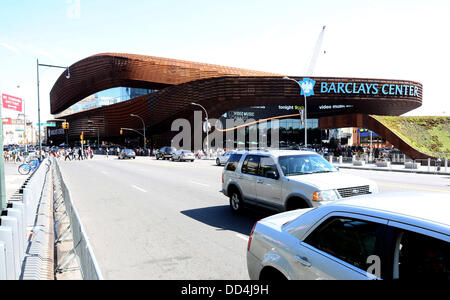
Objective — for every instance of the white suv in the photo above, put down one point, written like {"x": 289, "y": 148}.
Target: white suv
{"x": 287, "y": 180}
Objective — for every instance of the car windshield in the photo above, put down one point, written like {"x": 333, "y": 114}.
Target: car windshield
{"x": 304, "y": 164}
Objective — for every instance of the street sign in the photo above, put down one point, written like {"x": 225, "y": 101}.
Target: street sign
{"x": 7, "y": 121}
{"x": 11, "y": 102}
{"x": 46, "y": 124}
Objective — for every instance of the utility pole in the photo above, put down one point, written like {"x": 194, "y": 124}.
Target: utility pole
{"x": 39, "y": 100}
{"x": 145, "y": 137}
{"x": 207, "y": 128}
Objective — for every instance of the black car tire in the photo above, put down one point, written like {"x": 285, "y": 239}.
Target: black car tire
{"x": 218, "y": 162}
{"x": 236, "y": 203}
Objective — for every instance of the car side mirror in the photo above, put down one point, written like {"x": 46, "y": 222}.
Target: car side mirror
{"x": 272, "y": 175}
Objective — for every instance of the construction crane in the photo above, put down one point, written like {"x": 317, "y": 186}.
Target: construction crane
{"x": 316, "y": 52}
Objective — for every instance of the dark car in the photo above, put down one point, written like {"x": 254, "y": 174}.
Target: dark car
{"x": 166, "y": 153}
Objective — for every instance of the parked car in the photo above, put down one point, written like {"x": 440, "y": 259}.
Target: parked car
{"x": 183, "y": 155}
{"x": 287, "y": 179}
{"x": 223, "y": 159}
{"x": 387, "y": 236}
{"x": 165, "y": 153}
{"x": 127, "y": 153}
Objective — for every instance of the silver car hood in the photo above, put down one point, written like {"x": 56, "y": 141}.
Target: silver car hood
{"x": 333, "y": 180}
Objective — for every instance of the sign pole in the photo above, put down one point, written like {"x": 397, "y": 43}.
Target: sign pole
{"x": 39, "y": 113}
{"x": 2, "y": 164}
{"x": 25, "y": 127}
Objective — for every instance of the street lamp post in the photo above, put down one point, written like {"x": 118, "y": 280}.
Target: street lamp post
{"x": 39, "y": 102}
{"x": 306, "y": 114}
{"x": 207, "y": 129}
{"x": 145, "y": 138}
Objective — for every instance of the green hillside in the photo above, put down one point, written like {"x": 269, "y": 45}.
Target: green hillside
{"x": 430, "y": 135}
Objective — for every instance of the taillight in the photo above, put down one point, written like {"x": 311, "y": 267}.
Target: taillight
{"x": 251, "y": 236}
{"x": 223, "y": 179}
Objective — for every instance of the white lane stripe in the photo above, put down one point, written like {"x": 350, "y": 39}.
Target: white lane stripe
{"x": 104, "y": 172}
{"x": 139, "y": 189}
{"x": 245, "y": 238}
{"x": 202, "y": 184}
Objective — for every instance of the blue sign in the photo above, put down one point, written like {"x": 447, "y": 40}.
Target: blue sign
{"x": 307, "y": 85}
{"x": 369, "y": 89}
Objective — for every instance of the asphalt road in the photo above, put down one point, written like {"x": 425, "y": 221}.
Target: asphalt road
{"x": 149, "y": 219}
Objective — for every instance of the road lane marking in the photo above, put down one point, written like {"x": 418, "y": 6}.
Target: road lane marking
{"x": 243, "y": 237}
{"x": 409, "y": 187}
{"x": 104, "y": 172}
{"x": 139, "y": 189}
{"x": 202, "y": 184}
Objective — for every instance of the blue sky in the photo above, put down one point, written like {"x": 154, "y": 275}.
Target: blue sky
{"x": 369, "y": 39}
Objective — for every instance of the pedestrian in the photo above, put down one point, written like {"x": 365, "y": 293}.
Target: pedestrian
{"x": 107, "y": 152}
{"x": 80, "y": 154}
{"x": 67, "y": 155}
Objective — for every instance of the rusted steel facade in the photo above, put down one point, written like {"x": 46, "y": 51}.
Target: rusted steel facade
{"x": 219, "y": 89}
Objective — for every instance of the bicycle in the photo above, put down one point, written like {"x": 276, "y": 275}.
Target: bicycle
{"x": 26, "y": 168}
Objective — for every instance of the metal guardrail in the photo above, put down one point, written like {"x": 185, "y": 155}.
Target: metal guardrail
{"x": 82, "y": 250}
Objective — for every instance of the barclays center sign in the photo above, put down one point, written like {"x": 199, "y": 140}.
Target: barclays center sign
{"x": 362, "y": 88}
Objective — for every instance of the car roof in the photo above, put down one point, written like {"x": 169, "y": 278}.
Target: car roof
{"x": 277, "y": 153}
{"x": 429, "y": 206}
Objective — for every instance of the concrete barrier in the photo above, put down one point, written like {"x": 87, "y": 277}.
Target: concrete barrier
{"x": 21, "y": 227}
{"x": 2, "y": 261}
{"x": 383, "y": 164}
{"x": 359, "y": 163}
{"x": 19, "y": 216}
{"x": 412, "y": 165}
{"x": 12, "y": 224}
{"x": 6, "y": 237}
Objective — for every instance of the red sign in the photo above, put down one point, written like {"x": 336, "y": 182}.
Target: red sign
{"x": 11, "y": 102}
{"x": 7, "y": 121}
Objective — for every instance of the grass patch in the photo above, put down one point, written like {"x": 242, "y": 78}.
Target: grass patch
{"x": 430, "y": 135}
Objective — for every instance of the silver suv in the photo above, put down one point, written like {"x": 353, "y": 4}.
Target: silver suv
{"x": 287, "y": 180}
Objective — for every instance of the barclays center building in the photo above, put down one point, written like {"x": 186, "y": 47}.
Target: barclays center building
{"x": 106, "y": 90}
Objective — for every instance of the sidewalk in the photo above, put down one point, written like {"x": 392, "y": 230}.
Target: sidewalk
{"x": 396, "y": 168}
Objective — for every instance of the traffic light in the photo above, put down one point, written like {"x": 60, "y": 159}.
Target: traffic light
{"x": 82, "y": 135}
{"x": 65, "y": 125}
{"x": 121, "y": 131}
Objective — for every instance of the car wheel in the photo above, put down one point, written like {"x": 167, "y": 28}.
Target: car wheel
{"x": 218, "y": 162}
{"x": 236, "y": 203}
